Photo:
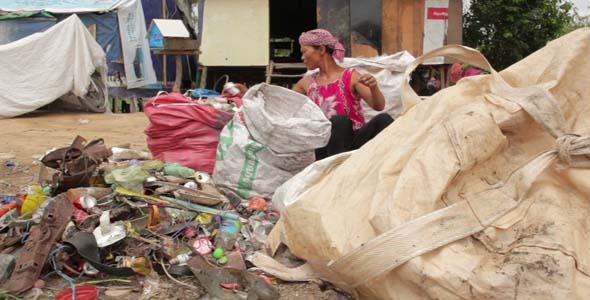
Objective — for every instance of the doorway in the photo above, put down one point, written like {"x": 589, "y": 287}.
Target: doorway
{"x": 288, "y": 19}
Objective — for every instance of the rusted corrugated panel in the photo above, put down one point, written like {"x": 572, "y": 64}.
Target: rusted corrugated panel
{"x": 334, "y": 15}
{"x": 365, "y": 22}
{"x": 403, "y": 26}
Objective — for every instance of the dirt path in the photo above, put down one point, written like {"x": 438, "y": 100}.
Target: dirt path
{"x": 29, "y": 137}
{"x": 34, "y": 135}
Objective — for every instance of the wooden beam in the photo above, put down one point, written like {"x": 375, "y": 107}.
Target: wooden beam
{"x": 178, "y": 78}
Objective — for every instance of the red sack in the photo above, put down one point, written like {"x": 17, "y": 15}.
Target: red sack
{"x": 184, "y": 131}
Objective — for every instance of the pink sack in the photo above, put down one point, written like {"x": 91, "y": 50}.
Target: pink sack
{"x": 184, "y": 131}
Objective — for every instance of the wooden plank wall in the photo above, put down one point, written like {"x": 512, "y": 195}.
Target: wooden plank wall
{"x": 403, "y": 26}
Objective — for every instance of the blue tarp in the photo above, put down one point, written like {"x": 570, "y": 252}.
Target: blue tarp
{"x": 16, "y": 29}
{"x": 60, "y": 6}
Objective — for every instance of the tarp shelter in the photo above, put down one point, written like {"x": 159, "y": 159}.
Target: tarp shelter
{"x": 36, "y": 70}
{"x": 119, "y": 31}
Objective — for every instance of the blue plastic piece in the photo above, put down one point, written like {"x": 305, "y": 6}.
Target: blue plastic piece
{"x": 204, "y": 93}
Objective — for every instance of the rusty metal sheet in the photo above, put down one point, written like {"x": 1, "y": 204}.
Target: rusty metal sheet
{"x": 365, "y": 27}
{"x": 334, "y": 15}
{"x": 36, "y": 250}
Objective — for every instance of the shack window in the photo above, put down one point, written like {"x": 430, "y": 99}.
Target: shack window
{"x": 287, "y": 20}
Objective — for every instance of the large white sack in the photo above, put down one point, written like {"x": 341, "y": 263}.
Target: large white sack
{"x": 389, "y": 72}
{"x": 479, "y": 192}
{"x": 269, "y": 140}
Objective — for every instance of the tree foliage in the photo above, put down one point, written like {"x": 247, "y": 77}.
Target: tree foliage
{"x": 506, "y": 31}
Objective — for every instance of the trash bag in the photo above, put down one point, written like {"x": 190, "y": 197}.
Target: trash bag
{"x": 184, "y": 131}
{"x": 269, "y": 141}
{"x": 478, "y": 192}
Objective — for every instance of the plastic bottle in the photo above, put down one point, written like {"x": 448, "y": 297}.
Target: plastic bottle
{"x": 228, "y": 233}
{"x": 180, "y": 259}
{"x": 178, "y": 170}
{"x": 141, "y": 265}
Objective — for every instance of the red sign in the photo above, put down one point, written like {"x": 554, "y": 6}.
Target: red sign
{"x": 438, "y": 13}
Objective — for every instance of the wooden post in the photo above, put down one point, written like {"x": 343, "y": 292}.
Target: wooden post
{"x": 269, "y": 71}
{"x": 443, "y": 77}
{"x": 164, "y": 60}
{"x": 164, "y": 70}
{"x": 203, "y": 83}
{"x": 133, "y": 104}
{"x": 178, "y": 78}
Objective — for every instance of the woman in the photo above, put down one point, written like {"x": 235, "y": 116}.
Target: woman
{"x": 338, "y": 91}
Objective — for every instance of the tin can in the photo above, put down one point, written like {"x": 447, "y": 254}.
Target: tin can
{"x": 231, "y": 89}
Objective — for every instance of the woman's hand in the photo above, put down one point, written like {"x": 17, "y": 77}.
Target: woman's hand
{"x": 368, "y": 80}
{"x": 366, "y": 86}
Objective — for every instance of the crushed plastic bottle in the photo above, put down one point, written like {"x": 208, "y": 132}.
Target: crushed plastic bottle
{"x": 228, "y": 233}
{"x": 180, "y": 259}
{"x": 178, "y": 170}
{"x": 151, "y": 285}
{"x": 7, "y": 263}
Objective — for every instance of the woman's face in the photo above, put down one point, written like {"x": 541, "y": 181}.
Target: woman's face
{"x": 311, "y": 56}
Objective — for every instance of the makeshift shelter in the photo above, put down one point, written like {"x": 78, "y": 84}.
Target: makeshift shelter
{"x": 103, "y": 18}
{"x": 37, "y": 70}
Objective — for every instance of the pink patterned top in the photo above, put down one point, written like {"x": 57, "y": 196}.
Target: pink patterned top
{"x": 336, "y": 98}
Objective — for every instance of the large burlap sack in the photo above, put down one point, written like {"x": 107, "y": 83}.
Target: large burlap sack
{"x": 271, "y": 139}
{"x": 479, "y": 192}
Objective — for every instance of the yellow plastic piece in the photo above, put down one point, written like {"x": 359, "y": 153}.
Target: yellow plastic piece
{"x": 33, "y": 200}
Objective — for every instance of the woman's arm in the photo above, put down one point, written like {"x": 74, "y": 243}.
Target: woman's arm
{"x": 302, "y": 85}
{"x": 366, "y": 87}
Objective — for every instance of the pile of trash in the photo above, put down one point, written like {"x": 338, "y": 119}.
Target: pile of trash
{"x": 115, "y": 212}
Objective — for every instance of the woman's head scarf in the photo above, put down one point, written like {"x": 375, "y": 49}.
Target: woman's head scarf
{"x": 322, "y": 37}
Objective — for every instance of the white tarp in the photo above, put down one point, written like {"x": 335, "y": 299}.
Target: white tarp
{"x": 61, "y": 6}
{"x": 139, "y": 70}
{"x": 42, "y": 67}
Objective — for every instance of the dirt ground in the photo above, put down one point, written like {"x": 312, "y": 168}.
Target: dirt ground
{"x": 27, "y": 138}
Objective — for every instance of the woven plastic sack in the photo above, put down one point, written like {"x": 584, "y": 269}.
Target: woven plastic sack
{"x": 184, "y": 131}
{"x": 389, "y": 72}
{"x": 479, "y": 192}
{"x": 269, "y": 141}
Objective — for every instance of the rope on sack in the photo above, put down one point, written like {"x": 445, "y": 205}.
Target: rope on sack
{"x": 573, "y": 150}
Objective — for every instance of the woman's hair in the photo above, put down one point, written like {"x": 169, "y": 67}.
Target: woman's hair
{"x": 329, "y": 49}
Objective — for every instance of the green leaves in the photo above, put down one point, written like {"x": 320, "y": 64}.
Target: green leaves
{"x": 509, "y": 30}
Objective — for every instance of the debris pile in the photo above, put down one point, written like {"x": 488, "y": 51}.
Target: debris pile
{"x": 108, "y": 213}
